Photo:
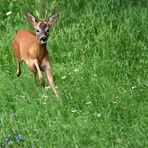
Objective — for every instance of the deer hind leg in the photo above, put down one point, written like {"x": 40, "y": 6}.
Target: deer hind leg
{"x": 16, "y": 51}
{"x": 18, "y": 72}
{"x": 41, "y": 79}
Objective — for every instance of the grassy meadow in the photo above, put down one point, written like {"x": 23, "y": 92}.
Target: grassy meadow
{"x": 99, "y": 58}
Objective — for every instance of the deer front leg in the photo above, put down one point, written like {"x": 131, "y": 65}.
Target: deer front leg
{"x": 50, "y": 79}
{"x": 33, "y": 71}
{"x": 50, "y": 76}
{"x": 35, "y": 63}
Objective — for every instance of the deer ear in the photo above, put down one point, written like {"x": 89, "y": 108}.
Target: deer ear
{"x": 32, "y": 19}
{"x": 53, "y": 19}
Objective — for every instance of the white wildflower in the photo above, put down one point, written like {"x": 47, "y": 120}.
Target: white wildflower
{"x": 73, "y": 111}
{"x": 133, "y": 87}
{"x": 89, "y": 102}
{"x": 44, "y": 96}
{"x": 47, "y": 87}
{"x": 8, "y": 13}
{"x": 114, "y": 102}
{"x": 76, "y": 70}
{"x": 63, "y": 77}
{"x": 98, "y": 115}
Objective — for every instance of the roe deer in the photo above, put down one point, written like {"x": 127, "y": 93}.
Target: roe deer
{"x": 31, "y": 48}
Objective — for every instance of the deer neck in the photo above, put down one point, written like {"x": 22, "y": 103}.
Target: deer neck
{"x": 40, "y": 47}
{"x": 41, "y": 51}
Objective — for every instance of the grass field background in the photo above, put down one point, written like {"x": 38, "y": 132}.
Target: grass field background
{"x": 99, "y": 58}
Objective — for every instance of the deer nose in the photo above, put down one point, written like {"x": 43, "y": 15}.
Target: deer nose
{"x": 43, "y": 38}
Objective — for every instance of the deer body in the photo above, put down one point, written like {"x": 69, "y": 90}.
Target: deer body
{"x": 26, "y": 48}
{"x": 31, "y": 48}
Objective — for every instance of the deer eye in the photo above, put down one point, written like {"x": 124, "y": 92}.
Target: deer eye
{"x": 47, "y": 30}
{"x": 37, "y": 31}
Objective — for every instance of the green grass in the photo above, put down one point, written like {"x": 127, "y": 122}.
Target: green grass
{"x": 99, "y": 52}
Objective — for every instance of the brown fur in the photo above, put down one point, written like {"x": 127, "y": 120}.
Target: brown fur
{"x": 27, "y": 48}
